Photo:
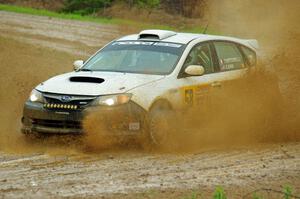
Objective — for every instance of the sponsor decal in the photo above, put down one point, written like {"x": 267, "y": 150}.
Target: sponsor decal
{"x": 195, "y": 95}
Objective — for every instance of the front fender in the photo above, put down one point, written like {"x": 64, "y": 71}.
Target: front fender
{"x": 148, "y": 95}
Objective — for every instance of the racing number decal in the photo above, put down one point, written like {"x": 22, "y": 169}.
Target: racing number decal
{"x": 195, "y": 95}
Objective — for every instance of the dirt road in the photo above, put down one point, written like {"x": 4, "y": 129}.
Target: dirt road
{"x": 34, "y": 48}
{"x": 93, "y": 175}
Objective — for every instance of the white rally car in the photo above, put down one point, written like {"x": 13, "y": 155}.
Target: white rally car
{"x": 138, "y": 75}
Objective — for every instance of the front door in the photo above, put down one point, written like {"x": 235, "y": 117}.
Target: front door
{"x": 197, "y": 89}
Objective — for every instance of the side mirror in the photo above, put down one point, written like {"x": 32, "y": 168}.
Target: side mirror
{"x": 78, "y": 64}
{"x": 194, "y": 70}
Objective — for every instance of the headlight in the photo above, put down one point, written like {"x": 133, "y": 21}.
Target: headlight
{"x": 36, "y": 96}
{"x": 113, "y": 100}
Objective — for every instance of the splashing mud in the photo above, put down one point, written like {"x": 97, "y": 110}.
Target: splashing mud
{"x": 97, "y": 134}
{"x": 240, "y": 118}
{"x": 275, "y": 25}
{"x": 265, "y": 105}
{"x": 22, "y": 68}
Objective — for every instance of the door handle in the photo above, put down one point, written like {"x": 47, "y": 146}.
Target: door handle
{"x": 216, "y": 84}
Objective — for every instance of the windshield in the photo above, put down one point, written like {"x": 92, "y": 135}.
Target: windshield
{"x": 136, "y": 57}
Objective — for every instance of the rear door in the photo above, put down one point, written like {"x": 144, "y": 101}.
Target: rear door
{"x": 229, "y": 56}
{"x": 233, "y": 62}
{"x": 228, "y": 82}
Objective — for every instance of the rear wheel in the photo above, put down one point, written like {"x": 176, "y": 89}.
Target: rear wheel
{"x": 269, "y": 106}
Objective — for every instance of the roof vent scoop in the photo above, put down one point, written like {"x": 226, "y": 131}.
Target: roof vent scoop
{"x": 156, "y": 34}
{"x": 87, "y": 79}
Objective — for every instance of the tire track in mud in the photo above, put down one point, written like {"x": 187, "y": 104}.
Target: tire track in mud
{"x": 78, "y": 174}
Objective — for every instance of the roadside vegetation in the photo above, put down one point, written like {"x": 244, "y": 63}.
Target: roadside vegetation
{"x": 75, "y": 16}
{"x": 62, "y": 15}
{"x": 219, "y": 193}
{"x": 117, "y": 13}
{"x": 189, "y": 9}
{"x": 85, "y": 7}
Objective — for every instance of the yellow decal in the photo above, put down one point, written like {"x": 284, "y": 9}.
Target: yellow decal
{"x": 195, "y": 95}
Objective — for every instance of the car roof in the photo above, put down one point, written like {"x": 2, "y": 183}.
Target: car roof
{"x": 184, "y": 38}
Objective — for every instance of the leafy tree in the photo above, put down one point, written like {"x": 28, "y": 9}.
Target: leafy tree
{"x": 85, "y": 7}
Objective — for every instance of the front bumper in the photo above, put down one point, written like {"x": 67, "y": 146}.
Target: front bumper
{"x": 127, "y": 119}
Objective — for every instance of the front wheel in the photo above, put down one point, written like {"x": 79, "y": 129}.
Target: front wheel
{"x": 163, "y": 129}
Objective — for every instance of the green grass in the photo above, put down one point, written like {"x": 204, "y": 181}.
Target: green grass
{"x": 219, "y": 193}
{"x": 101, "y": 20}
{"x": 287, "y": 190}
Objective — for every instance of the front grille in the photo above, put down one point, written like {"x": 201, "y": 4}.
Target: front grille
{"x": 55, "y": 101}
{"x": 57, "y": 123}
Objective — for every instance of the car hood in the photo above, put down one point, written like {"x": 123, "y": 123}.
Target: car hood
{"x": 95, "y": 83}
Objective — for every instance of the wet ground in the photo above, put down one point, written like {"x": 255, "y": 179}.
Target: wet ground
{"x": 34, "y": 48}
{"x": 92, "y": 175}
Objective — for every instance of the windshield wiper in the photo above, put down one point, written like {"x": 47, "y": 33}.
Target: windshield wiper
{"x": 85, "y": 69}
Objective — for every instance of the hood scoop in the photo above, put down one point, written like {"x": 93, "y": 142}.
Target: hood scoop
{"x": 87, "y": 79}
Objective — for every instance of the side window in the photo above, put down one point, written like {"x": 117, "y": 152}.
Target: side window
{"x": 250, "y": 55}
{"x": 200, "y": 55}
{"x": 229, "y": 56}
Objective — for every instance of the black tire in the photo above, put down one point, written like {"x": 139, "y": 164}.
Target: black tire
{"x": 163, "y": 129}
